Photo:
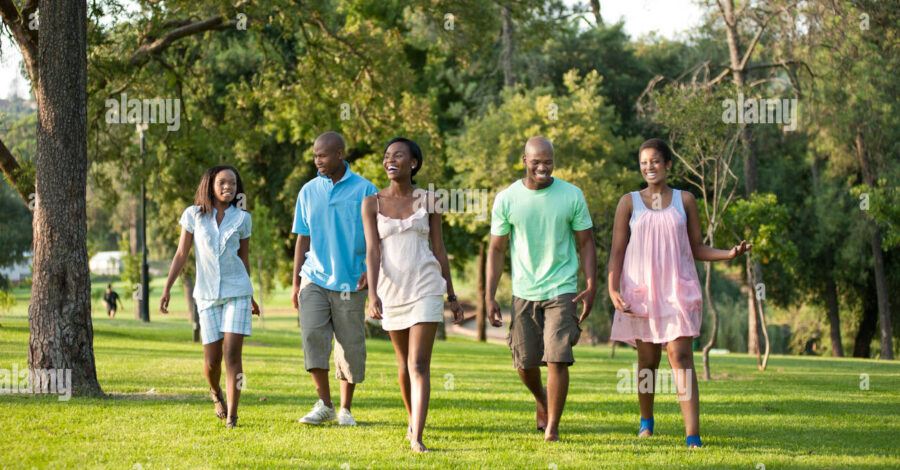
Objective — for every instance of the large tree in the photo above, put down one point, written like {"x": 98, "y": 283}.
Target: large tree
{"x": 59, "y": 314}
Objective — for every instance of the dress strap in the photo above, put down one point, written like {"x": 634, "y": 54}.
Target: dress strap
{"x": 637, "y": 206}
{"x": 678, "y": 202}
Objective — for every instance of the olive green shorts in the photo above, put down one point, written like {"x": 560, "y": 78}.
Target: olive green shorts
{"x": 326, "y": 316}
{"x": 543, "y": 331}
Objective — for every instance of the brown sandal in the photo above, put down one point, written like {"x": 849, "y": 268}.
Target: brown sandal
{"x": 218, "y": 400}
{"x": 232, "y": 422}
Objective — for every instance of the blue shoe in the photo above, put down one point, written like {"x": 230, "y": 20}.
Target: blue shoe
{"x": 693, "y": 442}
{"x": 646, "y": 425}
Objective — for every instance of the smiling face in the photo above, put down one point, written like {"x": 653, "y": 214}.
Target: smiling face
{"x": 398, "y": 162}
{"x": 653, "y": 166}
{"x": 225, "y": 186}
{"x": 538, "y": 166}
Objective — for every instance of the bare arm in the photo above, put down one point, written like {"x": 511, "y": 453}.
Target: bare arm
{"x": 621, "y": 233}
{"x": 493, "y": 270}
{"x": 703, "y": 252}
{"x": 373, "y": 253}
{"x": 440, "y": 252}
{"x": 300, "y": 249}
{"x": 181, "y": 254}
{"x": 587, "y": 251}
{"x": 244, "y": 255}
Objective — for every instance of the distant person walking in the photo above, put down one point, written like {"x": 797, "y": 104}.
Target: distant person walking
{"x": 653, "y": 283}
{"x": 220, "y": 234}
{"x": 112, "y": 300}
{"x": 408, "y": 276}
{"x": 329, "y": 278}
{"x": 543, "y": 219}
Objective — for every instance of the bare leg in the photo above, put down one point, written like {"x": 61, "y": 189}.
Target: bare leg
{"x": 681, "y": 358}
{"x": 557, "y": 390}
{"x": 320, "y": 379}
{"x": 421, "y": 342}
{"x": 532, "y": 379}
{"x": 234, "y": 370}
{"x": 400, "y": 339}
{"x": 212, "y": 368}
{"x": 347, "y": 389}
{"x": 648, "y": 359}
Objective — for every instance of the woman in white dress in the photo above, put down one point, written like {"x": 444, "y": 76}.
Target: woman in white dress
{"x": 407, "y": 277}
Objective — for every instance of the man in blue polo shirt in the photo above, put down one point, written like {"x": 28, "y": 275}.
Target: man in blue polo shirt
{"x": 329, "y": 289}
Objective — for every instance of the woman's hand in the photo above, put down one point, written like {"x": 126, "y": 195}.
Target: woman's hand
{"x": 254, "y": 309}
{"x": 458, "y": 314}
{"x": 619, "y": 302}
{"x": 374, "y": 307}
{"x": 738, "y": 250}
{"x": 164, "y": 302}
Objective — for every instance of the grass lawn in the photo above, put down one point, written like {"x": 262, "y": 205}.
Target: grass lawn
{"x": 804, "y": 412}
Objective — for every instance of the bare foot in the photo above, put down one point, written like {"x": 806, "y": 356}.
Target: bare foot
{"x": 541, "y": 414}
{"x": 419, "y": 448}
{"x": 541, "y": 418}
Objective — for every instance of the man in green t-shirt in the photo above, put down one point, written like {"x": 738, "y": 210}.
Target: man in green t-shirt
{"x": 544, "y": 218}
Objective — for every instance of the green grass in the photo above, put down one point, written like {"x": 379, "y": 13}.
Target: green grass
{"x": 804, "y": 412}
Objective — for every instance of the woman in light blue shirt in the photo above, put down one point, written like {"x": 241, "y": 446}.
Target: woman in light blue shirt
{"x": 220, "y": 233}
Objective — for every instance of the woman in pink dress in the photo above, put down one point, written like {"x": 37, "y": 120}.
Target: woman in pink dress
{"x": 653, "y": 283}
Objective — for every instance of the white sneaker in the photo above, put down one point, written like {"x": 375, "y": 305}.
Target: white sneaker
{"x": 344, "y": 418}
{"x": 319, "y": 414}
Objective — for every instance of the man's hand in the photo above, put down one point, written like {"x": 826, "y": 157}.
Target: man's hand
{"x": 494, "y": 316}
{"x": 164, "y": 302}
{"x": 295, "y": 295}
{"x": 586, "y": 296}
{"x": 362, "y": 283}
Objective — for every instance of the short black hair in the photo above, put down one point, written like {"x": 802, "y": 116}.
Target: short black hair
{"x": 205, "y": 197}
{"x": 414, "y": 151}
{"x": 660, "y": 146}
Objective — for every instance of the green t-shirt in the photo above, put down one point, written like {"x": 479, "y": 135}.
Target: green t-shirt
{"x": 541, "y": 224}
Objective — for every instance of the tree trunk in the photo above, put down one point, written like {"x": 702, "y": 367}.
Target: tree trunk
{"x": 738, "y": 75}
{"x": 59, "y": 315}
{"x": 752, "y": 316}
{"x": 862, "y": 345}
{"x": 187, "y": 281}
{"x": 595, "y": 7}
{"x": 508, "y": 46}
{"x": 762, "y": 321}
{"x": 480, "y": 307}
{"x": 715, "y": 318}
{"x": 834, "y": 318}
{"x": 884, "y": 306}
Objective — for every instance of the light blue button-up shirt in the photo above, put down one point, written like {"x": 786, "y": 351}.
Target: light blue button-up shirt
{"x": 330, "y": 215}
{"x": 220, "y": 272}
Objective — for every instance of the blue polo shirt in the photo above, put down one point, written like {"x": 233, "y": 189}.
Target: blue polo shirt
{"x": 330, "y": 215}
